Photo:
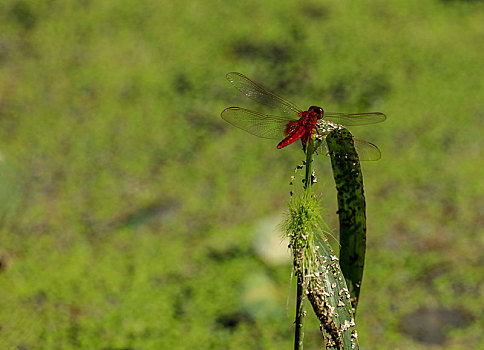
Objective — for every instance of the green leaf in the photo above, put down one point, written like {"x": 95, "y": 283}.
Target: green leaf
{"x": 330, "y": 298}
{"x": 318, "y": 272}
{"x": 351, "y": 208}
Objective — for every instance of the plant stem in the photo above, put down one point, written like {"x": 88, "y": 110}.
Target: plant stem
{"x": 309, "y": 168}
{"x": 299, "y": 335}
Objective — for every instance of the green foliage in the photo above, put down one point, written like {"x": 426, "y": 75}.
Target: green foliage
{"x": 318, "y": 272}
{"x": 351, "y": 209}
{"x": 128, "y": 205}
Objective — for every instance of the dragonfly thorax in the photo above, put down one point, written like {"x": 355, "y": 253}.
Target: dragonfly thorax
{"x": 318, "y": 110}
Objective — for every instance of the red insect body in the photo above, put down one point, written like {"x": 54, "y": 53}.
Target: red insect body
{"x": 303, "y": 128}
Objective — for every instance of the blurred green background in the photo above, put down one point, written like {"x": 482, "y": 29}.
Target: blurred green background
{"x": 134, "y": 217}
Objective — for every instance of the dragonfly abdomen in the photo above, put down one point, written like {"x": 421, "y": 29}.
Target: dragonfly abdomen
{"x": 292, "y": 137}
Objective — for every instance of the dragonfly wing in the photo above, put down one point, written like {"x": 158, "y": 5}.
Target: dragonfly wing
{"x": 366, "y": 150}
{"x": 260, "y": 94}
{"x": 258, "y": 124}
{"x": 352, "y": 119}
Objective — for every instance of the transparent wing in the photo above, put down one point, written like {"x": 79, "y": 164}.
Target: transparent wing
{"x": 366, "y": 150}
{"x": 258, "y": 124}
{"x": 260, "y": 94}
{"x": 351, "y": 119}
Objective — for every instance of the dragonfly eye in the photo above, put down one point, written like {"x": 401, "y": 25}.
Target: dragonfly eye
{"x": 318, "y": 110}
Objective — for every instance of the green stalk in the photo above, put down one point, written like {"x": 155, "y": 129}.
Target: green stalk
{"x": 309, "y": 150}
{"x": 299, "y": 334}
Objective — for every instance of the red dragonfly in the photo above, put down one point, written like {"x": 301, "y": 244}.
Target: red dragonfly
{"x": 295, "y": 123}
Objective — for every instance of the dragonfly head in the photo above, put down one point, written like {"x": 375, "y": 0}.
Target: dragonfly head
{"x": 318, "y": 110}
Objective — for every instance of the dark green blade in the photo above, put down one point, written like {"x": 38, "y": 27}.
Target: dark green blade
{"x": 330, "y": 299}
{"x": 351, "y": 208}
{"x": 319, "y": 273}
